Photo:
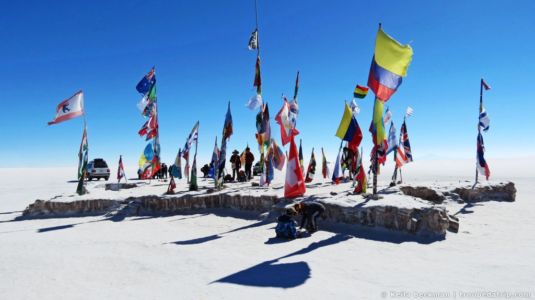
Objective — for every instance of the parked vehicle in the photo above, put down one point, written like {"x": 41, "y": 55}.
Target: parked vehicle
{"x": 97, "y": 168}
{"x": 257, "y": 169}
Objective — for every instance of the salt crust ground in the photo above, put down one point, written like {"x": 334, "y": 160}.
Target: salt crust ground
{"x": 231, "y": 255}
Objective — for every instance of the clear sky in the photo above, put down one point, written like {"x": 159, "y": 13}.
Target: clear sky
{"x": 51, "y": 49}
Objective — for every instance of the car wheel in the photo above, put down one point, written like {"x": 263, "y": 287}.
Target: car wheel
{"x": 89, "y": 178}
{"x": 107, "y": 178}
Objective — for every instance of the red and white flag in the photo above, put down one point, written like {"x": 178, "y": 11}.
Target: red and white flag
{"x": 120, "y": 170}
{"x": 295, "y": 183}
{"x": 69, "y": 108}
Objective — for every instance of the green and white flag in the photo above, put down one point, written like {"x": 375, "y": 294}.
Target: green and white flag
{"x": 82, "y": 163}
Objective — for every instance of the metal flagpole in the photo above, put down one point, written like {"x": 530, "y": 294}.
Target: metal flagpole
{"x": 478, "y": 127}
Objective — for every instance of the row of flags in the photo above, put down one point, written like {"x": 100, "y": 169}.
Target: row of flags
{"x": 149, "y": 161}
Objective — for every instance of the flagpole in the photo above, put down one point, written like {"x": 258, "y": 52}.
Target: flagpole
{"x": 479, "y": 127}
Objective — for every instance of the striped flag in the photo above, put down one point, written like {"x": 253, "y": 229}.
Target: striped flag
{"x": 408, "y": 112}
{"x": 120, "y": 170}
{"x": 324, "y": 167}
{"x": 311, "y": 168}
{"x": 360, "y": 92}
{"x": 70, "y": 108}
{"x": 404, "y": 154}
{"x": 482, "y": 166}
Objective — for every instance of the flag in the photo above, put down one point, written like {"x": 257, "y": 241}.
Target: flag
{"x": 360, "y": 92}
{"x": 377, "y": 128}
{"x": 409, "y": 111}
{"x": 70, "y": 108}
{"x": 485, "y": 85}
{"x": 263, "y": 127}
{"x": 482, "y": 166}
{"x": 227, "y": 127}
{"x": 146, "y": 83}
{"x": 120, "y": 170}
{"x": 324, "y": 167}
{"x": 147, "y": 102}
{"x": 301, "y": 160}
{"x": 484, "y": 120}
{"x": 389, "y": 65}
{"x": 177, "y": 168}
{"x": 403, "y": 154}
{"x": 294, "y": 185}
{"x": 215, "y": 160}
{"x": 150, "y": 128}
{"x": 255, "y": 102}
{"x": 361, "y": 176}
{"x": 253, "y": 40}
{"x": 349, "y": 129}
{"x": 337, "y": 173}
{"x": 392, "y": 141}
{"x": 311, "y": 170}
{"x": 82, "y": 163}
{"x": 293, "y": 113}
{"x": 172, "y": 186}
{"x": 193, "y": 182}
{"x": 282, "y": 118}
{"x": 257, "y": 79}
{"x": 387, "y": 117}
{"x": 354, "y": 107}
{"x": 296, "y": 86}
{"x": 278, "y": 156}
{"x": 192, "y": 138}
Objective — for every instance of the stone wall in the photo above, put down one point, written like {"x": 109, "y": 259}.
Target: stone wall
{"x": 500, "y": 192}
{"x": 425, "y": 221}
{"x": 41, "y": 208}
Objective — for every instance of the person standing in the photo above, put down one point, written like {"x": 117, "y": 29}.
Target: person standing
{"x": 249, "y": 159}
{"x": 235, "y": 163}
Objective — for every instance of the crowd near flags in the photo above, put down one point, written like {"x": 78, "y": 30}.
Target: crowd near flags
{"x": 69, "y": 108}
{"x": 120, "y": 170}
{"x": 483, "y": 124}
{"x": 82, "y": 163}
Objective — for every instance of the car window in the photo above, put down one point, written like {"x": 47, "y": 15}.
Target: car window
{"x": 100, "y": 164}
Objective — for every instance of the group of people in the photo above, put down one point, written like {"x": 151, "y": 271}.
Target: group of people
{"x": 310, "y": 211}
{"x": 236, "y": 161}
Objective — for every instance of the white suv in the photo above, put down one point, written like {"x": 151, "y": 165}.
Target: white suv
{"x": 97, "y": 168}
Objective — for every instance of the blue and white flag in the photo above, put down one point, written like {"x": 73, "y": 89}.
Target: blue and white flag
{"x": 484, "y": 120}
{"x": 192, "y": 138}
{"x": 337, "y": 173}
{"x": 392, "y": 141}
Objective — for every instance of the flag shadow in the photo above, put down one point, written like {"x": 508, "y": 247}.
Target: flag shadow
{"x": 271, "y": 273}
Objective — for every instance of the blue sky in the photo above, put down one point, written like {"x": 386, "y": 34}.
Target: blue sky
{"x": 51, "y": 49}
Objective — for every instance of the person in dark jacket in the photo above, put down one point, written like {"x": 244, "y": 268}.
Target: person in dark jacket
{"x": 310, "y": 212}
{"x": 235, "y": 163}
{"x": 286, "y": 225}
{"x": 249, "y": 159}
